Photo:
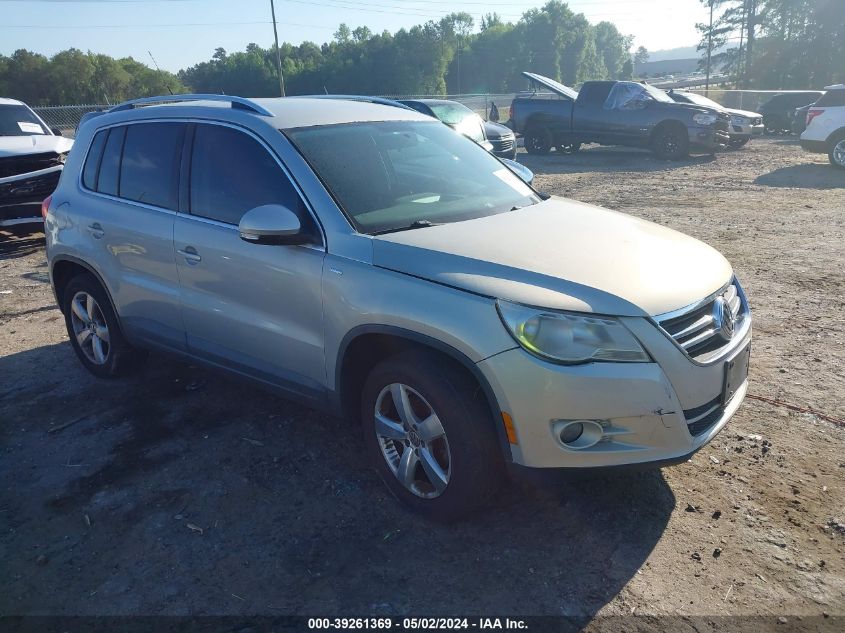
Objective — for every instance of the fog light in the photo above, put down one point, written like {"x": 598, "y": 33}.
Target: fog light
{"x": 571, "y": 432}
{"x": 577, "y": 434}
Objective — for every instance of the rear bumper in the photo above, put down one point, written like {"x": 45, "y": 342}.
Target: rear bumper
{"x": 817, "y": 147}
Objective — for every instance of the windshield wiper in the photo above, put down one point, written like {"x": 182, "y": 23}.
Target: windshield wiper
{"x": 416, "y": 224}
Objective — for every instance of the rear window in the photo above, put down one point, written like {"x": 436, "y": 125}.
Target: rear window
{"x": 832, "y": 99}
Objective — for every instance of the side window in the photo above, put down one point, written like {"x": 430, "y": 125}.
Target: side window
{"x": 149, "y": 172}
{"x": 92, "y": 162}
{"x": 232, "y": 173}
{"x": 110, "y": 165}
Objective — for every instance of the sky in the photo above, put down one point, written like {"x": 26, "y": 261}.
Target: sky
{"x": 180, "y": 33}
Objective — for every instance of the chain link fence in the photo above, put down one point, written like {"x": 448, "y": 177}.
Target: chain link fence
{"x": 66, "y": 118}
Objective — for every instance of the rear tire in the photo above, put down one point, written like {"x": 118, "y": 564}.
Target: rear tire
{"x": 445, "y": 467}
{"x": 538, "y": 140}
{"x": 836, "y": 155}
{"x": 94, "y": 330}
{"x": 670, "y": 143}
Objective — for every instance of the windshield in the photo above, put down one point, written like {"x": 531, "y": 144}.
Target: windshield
{"x": 387, "y": 175}
{"x": 700, "y": 100}
{"x": 656, "y": 93}
{"x": 18, "y": 120}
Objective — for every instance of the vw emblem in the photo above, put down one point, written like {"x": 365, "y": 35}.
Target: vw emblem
{"x": 724, "y": 320}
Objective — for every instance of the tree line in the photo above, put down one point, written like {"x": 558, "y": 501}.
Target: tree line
{"x": 768, "y": 44}
{"x": 438, "y": 57}
{"x": 776, "y": 44}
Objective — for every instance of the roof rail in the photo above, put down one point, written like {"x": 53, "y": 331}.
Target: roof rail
{"x": 364, "y": 98}
{"x": 238, "y": 103}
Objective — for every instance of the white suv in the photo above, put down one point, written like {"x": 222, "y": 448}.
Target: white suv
{"x": 825, "y": 133}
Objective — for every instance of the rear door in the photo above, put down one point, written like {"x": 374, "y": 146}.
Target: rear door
{"x": 130, "y": 183}
{"x": 253, "y": 308}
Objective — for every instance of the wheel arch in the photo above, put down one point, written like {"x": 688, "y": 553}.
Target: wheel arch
{"x": 665, "y": 124}
{"x": 64, "y": 268}
{"x": 366, "y": 345}
{"x": 835, "y": 134}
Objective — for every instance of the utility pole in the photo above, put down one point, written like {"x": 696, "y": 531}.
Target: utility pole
{"x": 709, "y": 50}
{"x": 278, "y": 52}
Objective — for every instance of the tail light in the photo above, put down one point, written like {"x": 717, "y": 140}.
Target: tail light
{"x": 45, "y": 206}
{"x": 812, "y": 114}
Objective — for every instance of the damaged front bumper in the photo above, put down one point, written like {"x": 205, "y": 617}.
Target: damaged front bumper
{"x": 21, "y": 195}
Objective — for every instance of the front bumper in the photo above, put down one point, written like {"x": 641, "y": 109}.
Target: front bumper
{"x": 648, "y": 419}
{"x": 708, "y": 138}
{"x": 504, "y": 147}
{"x": 21, "y": 195}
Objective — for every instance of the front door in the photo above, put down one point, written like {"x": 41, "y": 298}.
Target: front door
{"x": 253, "y": 308}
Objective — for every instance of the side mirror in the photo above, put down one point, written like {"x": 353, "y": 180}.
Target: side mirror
{"x": 271, "y": 224}
{"x": 525, "y": 174}
{"x": 56, "y": 131}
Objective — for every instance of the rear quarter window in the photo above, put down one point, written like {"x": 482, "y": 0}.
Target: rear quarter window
{"x": 92, "y": 161}
{"x": 107, "y": 182}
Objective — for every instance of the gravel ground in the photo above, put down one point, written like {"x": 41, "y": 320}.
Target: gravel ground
{"x": 181, "y": 491}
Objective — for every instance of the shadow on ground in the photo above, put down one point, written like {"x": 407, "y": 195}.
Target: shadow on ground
{"x": 808, "y": 176}
{"x": 181, "y": 491}
{"x": 19, "y": 241}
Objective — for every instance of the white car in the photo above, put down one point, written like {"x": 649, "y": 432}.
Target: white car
{"x": 31, "y": 160}
{"x": 825, "y": 133}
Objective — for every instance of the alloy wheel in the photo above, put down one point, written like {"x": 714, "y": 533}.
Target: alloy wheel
{"x": 90, "y": 328}
{"x": 839, "y": 153}
{"x": 412, "y": 440}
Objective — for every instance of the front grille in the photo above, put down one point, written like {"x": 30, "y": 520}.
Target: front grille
{"x": 502, "y": 144}
{"x": 16, "y": 165}
{"x": 38, "y": 187}
{"x": 708, "y": 330}
{"x": 702, "y": 418}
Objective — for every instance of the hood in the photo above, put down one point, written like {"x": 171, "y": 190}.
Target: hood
{"x": 551, "y": 84}
{"x": 496, "y": 130}
{"x": 746, "y": 113}
{"x": 695, "y": 107}
{"x": 33, "y": 144}
{"x": 565, "y": 255}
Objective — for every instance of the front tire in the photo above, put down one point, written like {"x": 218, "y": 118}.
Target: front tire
{"x": 94, "y": 330}
{"x": 836, "y": 155}
{"x": 670, "y": 143}
{"x": 736, "y": 143}
{"x": 428, "y": 432}
{"x": 538, "y": 140}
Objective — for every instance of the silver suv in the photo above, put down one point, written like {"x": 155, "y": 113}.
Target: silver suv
{"x": 370, "y": 261}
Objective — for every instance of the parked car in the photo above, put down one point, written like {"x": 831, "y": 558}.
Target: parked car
{"x": 778, "y": 111}
{"x": 825, "y": 131}
{"x": 31, "y": 160}
{"x": 799, "y": 120}
{"x": 502, "y": 139}
{"x": 367, "y": 261}
{"x": 455, "y": 115}
{"x": 615, "y": 113}
{"x": 744, "y": 123}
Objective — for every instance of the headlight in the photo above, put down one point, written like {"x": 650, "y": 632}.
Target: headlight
{"x": 566, "y": 337}
{"x": 705, "y": 119}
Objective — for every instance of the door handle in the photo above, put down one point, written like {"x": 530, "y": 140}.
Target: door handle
{"x": 190, "y": 254}
{"x": 96, "y": 230}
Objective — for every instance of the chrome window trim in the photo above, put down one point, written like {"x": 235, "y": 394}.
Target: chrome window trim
{"x": 739, "y": 336}
{"x": 322, "y": 247}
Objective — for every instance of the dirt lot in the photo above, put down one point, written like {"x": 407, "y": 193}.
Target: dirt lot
{"x": 180, "y": 491}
